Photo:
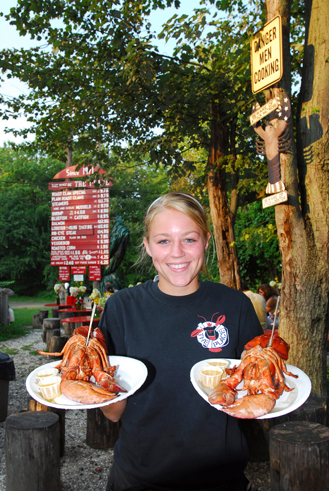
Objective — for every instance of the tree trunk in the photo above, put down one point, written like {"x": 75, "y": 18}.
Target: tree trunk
{"x": 303, "y": 224}
{"x": 219, "y": 209}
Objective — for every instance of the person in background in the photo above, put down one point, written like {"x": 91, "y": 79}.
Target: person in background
{"x": 258, "y": 302}
{"x": 110, "y": 288}
{"x": 271, "y": 298}
{"x": 170, "y": 437}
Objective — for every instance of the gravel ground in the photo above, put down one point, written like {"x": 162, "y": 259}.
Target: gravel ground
{"x": 82, "y": 468}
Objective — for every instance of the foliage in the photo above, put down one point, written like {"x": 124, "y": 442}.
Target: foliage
{"x": 25, "y": 217}
{"x": 258, "y": 248}
{"x": 6, "y": 284}
{"x": 101, "y": 79}
{"x": 136, "y": 186}
{"x": 104, "y": 83}
{"x": 100, "y": 82}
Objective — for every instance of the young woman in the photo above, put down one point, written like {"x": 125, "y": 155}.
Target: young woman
{"x": 170, "y": 438}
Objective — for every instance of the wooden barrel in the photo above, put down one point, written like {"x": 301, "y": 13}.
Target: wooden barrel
{"x": 32, "y": 452}
{"x": 299, "y": 456}
{"x": 34, "y": 405}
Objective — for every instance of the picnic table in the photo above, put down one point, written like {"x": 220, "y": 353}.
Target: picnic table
{"x": 75, "y": 311}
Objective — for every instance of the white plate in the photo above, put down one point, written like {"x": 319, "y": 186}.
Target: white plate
{"x": 287, "y": 402}
{"x": 130, "y": 374}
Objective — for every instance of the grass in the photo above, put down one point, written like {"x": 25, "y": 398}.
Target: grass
{"x": 8, "y": 351}
{"x": 23, "y": 318}
{"x": 41, "y": 297}
{"x": 34, "y": 352}
{"x": 27, "y": 347}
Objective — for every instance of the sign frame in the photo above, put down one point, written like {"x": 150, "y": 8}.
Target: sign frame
{"x": 261, "y": 54}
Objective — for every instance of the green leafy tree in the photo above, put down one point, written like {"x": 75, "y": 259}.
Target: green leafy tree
{"x": 25, "y": 218}
{"x": 102, "y": 81}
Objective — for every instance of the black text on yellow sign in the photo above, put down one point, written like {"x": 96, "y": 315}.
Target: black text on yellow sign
{"x": 266, "y": 56}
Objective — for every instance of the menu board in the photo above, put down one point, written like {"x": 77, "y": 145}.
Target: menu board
{"x": 80, "y": 225}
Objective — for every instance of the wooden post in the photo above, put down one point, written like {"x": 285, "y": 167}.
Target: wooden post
{"x": 49, "y": 324}
{"x": 37, "y": 321}
{"x": 39, "y": 318}
{"x": 299, "y": 456}
{"x": 32, "y": 452}
{"x": 7, "y": 373}
{"x": 68, "y": 328}
{"x": 101, "y": 432}
{"x": 4, "y": 312}
{"x": 43, "y": 313}
{"x": 37, "y": 406}
{"x": 49, "y": 334}
{"x": 54, "y": 312}
{"x": 57, "y": 343}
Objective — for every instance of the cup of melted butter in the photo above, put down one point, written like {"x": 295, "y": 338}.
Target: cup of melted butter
{"x": 213, "y": 371}
{"x": 50, "y": 387}
{"x": 219, "y": 363}
{"x": 210, "y": 376}
{"x": 45, "y": 373}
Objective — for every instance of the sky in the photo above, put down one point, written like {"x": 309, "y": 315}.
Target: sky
{"x": 11, "y": 39}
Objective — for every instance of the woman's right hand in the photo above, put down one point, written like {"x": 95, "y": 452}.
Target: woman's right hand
{"x": 115, "y": 410}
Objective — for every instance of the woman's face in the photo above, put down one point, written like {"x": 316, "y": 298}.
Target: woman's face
{"x": 177, "y": 245}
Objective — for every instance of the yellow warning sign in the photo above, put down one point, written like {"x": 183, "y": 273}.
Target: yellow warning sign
{"x": 266, "y": 56}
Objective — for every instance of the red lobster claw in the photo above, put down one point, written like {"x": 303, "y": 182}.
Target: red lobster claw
{"x": 279, "y": 345}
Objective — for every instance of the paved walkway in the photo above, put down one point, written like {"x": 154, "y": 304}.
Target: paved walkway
{"x": 27, "y": 305}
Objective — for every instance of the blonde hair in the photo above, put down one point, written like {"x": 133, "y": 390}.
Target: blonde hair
{"x": 185, "y": 203}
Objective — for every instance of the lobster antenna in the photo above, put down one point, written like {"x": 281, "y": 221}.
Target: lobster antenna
{"x": 273, "y": 326}
{"x": 91, "y": 323}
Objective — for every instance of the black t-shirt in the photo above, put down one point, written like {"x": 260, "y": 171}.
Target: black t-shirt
{"x": 170, "y": 436}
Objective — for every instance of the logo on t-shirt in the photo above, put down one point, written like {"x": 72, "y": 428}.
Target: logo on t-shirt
{"x": 212, "y": 335}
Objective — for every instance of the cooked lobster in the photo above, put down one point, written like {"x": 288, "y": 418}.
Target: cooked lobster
{"x": 80, "y": 362}
{"x": 262, "y": 369}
